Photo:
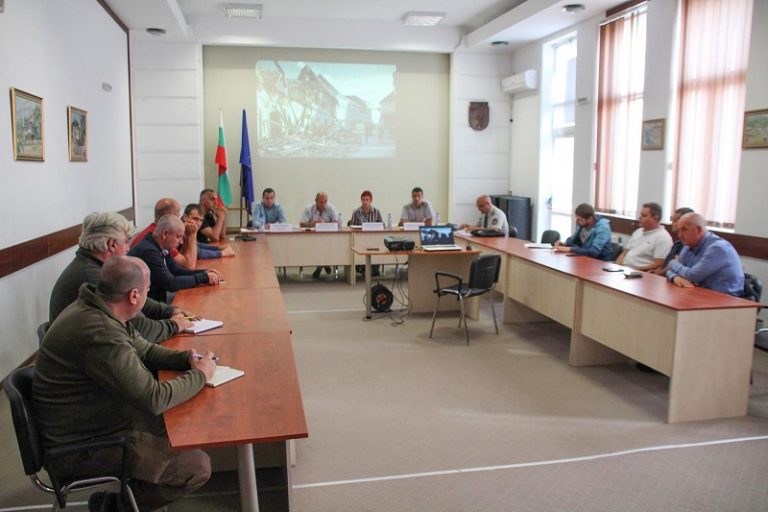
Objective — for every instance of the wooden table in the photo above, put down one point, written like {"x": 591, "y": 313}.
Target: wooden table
{"x": 262, "y": 407}
{"x": 699, "y": 338}
{"x": 421, "y": 277}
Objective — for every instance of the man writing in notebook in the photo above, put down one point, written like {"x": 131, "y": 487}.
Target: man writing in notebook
{"x": 93, "y": 378}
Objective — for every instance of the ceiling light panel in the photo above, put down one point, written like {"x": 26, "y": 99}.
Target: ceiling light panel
{"x": 423, "y": 19}
{"x": 243, "y": 10}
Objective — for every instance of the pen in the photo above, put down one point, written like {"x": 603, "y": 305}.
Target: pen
{"x": 199, "y": 357}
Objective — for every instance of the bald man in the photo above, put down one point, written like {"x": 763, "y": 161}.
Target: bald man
{"x": 491, "y": 217}
{"x": 706, "y": 259}
{"x": 320, "y": 211}
{"x": 165, "y": 274}
{"x": 93, "y": 379}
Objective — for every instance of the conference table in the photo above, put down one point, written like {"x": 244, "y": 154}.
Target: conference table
{"x": 263, "y": 408}
{"x": 701, "y": 339}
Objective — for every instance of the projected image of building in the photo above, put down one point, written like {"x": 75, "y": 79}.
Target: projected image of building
{"x": 304, "y": 113}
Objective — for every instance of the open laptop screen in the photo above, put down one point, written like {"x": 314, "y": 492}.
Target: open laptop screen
{"x": 436, "y": 235}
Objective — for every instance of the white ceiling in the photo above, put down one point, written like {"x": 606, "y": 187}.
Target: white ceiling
{"x": 357, "y": 24}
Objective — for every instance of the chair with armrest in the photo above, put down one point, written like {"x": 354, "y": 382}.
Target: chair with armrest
{"x": 18, "y": 387}
{"x": 483, "y": 276}
{"x": 753, "y": 290}
{"x": 616, "y": 249}
{"x": 550, "y": 236}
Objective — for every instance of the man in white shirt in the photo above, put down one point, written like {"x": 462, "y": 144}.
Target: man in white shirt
{"x": 649, "y": 244}
{"x": 491, "y": 218}
{"x": 418, "y": 210}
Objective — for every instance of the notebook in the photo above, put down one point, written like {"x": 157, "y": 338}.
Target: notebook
{"x": 203, "y": 325}
{"x": 437, "y": 238}
{"x": 224, "y": 374}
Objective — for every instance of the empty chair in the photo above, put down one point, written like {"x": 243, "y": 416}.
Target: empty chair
{"x": 483, "y": 276}
{"x": 18, "y": 387}
{"x": 753, "y": 290}
{"x": 550, "y": 236}
{"x": 616, "y": 249}
{"x": 512, "y": 231}
{"x": 41, "y": 330}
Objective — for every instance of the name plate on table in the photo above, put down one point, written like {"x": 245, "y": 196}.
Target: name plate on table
{"x": 284, "y": 227}
{"x": 326, "y": 226}
{"x": 412, "y": 226}
{"x": 373, "y": 226}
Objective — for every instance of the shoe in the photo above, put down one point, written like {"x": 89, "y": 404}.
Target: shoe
{"x": 316, "y": 273}
{"x": 375, "y": 272}
{"x": 102, "y": 502}
{"x": 646, "y": 369}
{"x": 328, "y": 270}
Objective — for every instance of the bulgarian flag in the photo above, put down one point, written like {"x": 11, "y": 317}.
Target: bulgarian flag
{"x": 225, "y": 193}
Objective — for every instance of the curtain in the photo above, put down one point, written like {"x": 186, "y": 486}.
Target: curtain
{"x": 619, "y": 113}
{"x": 714, "y": 48}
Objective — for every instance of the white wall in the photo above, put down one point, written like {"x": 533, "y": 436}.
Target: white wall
{"x": 61, "y": 51}
{"x": 479, "y": 159}
{"x": 167, "y": 107}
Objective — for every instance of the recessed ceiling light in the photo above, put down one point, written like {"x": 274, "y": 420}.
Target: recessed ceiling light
{"x": 573, "y": 8}
{"x": 156, "y": 31}
{"x": 500, "y": 43}
{"x": 423, "y": 19}
{"x": 244, "y": 11}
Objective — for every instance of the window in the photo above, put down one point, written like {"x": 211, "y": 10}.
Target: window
{"x": 558, "y": 123}
{"x": 620, "y": 112}
{"x": 714, "y": 47}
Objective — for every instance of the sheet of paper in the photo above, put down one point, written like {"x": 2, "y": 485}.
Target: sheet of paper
{"x": 224, "y": 374}
{"x": 203, "y": 325}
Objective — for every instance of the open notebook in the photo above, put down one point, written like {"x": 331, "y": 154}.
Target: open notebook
{"x": 224, "y": 374}
{"x": 203, "y": 325}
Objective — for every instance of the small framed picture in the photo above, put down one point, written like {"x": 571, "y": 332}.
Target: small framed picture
{"x": 653, "y": 134}
{"x": 77, "y": 126}
{"x": 27, "y": 126}
{"x": 755, "y": 129}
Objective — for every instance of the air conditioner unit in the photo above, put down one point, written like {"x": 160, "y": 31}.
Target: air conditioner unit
{"x": 519, "y": 82}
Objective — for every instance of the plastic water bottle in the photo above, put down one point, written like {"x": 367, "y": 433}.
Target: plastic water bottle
{"x": 437, "y": 219}
{"x": 338, "y": 220}
{"x": 389, "y": 220}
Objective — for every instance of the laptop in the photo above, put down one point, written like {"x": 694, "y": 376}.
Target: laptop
{"x": 437, "y": 238}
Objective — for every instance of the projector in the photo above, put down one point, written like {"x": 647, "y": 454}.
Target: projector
{"x": 398, "y": 244}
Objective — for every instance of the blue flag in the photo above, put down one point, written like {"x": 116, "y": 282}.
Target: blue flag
{"x": 246, "y": 171}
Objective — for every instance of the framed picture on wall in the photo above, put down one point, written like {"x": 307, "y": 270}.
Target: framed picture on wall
{"x": 77, "y": 127}
{"x": 27, "y": 126}
{"x": 755, "y": 129}
{"x": 653, "y": 134}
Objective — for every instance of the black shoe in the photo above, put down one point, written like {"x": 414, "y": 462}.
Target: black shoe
{"x": 375, "y": 271}
{"x": 328, "y": 270}
{"x": 644, "y": 368}
{"x": 102, "y": 502}
{"x": 316, "y": 273}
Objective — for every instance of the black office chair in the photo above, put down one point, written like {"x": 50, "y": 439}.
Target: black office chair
{"x": 483, "y": 276}
{"x": 616, "y": 249}
{"x": 550, "y": 236}
{"x": 18, "y": 387}
{"x": 512, "y": 231}
{"x": 753, "y": 290}
{"x": 41, "y": 330}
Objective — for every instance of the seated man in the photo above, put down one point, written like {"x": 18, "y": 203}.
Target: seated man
{"x": 187, "y": 257}
{"x": 321, "y": 211}
{"x": 193, "y": 216}
{"x": 165, "y": 275}
{"x": 106, "y": 235}
{"x": 592, "y": 236}
{"x": 649, "y": 244}
{"x": 93, "y": 378}
{"x": 418, "y": 210}
{"x": 706, "y": 260}
{"x": 677, "y": 246}
{"x": 214, "y": 227}
{"x": 268, "y": 211}
{"x": 491, "y": 218}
